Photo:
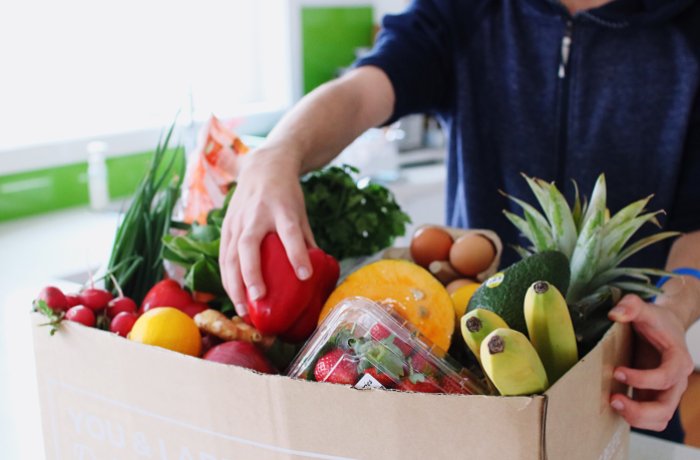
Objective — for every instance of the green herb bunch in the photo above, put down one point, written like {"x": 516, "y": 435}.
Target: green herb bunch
{"x": 348, "y": 220}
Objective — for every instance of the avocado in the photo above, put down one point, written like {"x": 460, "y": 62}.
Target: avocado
{"x": 504, "y": 292}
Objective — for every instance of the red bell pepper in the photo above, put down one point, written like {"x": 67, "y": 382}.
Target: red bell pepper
{"x": 307, "y": 322}
{"x": 290, "y": 307}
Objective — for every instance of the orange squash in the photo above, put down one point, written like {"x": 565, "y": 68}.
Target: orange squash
{"x": 415, "y": 293}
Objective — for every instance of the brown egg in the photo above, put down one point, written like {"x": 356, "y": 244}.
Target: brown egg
{"x": 472, "y": 254}
{"x": 458, "y": 283}
{"x": 429, "y": 244}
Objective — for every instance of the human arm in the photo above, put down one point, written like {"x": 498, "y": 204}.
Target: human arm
{"x": 662, "y": 361}
{"x": 268, "y": 196}
{"x": 408, "y": 71}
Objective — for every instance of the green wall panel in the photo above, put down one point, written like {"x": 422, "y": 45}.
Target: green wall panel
{"x": 35, "y": 192}
{"x": 51, "y": 189}
{"x": 330, "y": 36}
{"x": 125, "y": 173}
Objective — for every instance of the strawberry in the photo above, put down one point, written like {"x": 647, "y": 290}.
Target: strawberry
{"x": 380, "y": 332}
{"x": 380, "y": 377}
{"x": 452, "y": 386}
{"x": 426, "y": 385}
{"x": 336, "y": 366}
{"x": 421, "y": 365}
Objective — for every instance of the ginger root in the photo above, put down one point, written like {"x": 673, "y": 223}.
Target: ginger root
{"x": 217, "y": 324}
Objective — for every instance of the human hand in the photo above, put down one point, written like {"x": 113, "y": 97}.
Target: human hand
{"x": 662, "y": 364}
{"x": 268, "y": 198}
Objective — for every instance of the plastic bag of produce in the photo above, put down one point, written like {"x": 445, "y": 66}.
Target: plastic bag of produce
{"x": 211, "y": 167}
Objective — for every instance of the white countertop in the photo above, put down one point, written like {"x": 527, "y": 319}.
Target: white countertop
{"x": 41, "y": 249}
{"x": 643, "y": 447}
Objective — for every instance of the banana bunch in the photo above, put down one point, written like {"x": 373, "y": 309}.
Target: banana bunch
{"x": 516, "y": 365}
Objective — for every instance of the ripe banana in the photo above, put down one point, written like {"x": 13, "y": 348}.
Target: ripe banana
{"x": 476, "y": 325}
{"x": 512, "y": 364}
{"x": 550, "y": 328}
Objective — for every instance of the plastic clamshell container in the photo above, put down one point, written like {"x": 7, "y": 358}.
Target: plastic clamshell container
{"x": 368, "y": 345}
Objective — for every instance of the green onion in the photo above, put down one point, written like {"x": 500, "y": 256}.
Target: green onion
{"x": 136, "y": 261}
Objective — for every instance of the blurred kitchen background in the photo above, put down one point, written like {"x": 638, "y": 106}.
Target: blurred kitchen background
{"x": 86, "y": 88}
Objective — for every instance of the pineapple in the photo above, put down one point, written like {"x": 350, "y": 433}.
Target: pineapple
{"x": 593, "y": 241}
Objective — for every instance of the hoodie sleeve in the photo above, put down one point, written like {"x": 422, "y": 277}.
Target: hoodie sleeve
{"x": 415, "y": 50}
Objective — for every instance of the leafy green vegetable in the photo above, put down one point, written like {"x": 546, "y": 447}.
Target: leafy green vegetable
{"x": 198, "y": 251}
{"x": 137, "y": 255}
{"x": 348, "y": 220}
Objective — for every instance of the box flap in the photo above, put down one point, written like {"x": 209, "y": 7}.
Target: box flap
{"x": 578, "y": 412}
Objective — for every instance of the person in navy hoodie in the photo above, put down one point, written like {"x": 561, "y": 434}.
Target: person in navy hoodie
{"x": 558, "y": 90}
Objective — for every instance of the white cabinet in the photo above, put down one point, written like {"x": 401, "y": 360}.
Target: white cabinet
{"x": 420, "y": 192}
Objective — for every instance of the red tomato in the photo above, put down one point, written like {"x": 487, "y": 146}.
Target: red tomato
{"x": 195, "y": 308}
{"x": 166, "y": 293}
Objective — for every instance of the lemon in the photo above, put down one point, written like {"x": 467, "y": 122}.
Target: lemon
{"x": 461, "y": 296}
{"x": 170, "y": 328}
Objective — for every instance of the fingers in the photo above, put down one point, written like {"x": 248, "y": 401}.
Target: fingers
{"x": 631, "y": 309}
{"x": 292, "y": 236}
{"x": 675, "y": 367}
{"x": 236, "y": 289}
{"x": 663, "y": 385}
{"x": 249, "y": 262}
{"x": 231, "y": 273}
{"x": 652, "y": 415}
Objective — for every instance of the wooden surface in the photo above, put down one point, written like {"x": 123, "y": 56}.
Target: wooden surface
{"x": 690, "y": 411}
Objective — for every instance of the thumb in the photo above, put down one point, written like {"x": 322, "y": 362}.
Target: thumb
{"x": 631, "y": 309}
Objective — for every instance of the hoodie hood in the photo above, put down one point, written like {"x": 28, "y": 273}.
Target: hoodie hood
{"x": 623, "y": 13}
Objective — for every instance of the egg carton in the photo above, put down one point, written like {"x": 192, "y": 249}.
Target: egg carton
{"x": 443, "y": 270}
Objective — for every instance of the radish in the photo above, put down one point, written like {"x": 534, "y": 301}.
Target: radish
{"x": 54, "y": 298}
{"x": 123, "y": 322}
{"x": 81, "y": 314}
{"x": 73, "y": 300}
{"x": 121, "y": 303}
{"x": 95, "y": 299}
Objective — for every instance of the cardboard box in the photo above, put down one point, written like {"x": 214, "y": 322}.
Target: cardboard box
{"x": 104, "y": 398}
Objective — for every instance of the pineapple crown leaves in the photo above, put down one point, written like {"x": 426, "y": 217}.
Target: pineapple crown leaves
{"x": 594, "y": 242}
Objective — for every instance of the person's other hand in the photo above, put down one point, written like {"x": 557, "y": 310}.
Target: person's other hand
{"x": 662, "y": 364}
{"x": 268, "y": 198}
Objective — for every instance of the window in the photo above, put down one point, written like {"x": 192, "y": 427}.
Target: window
{"x": 85, "y": 69}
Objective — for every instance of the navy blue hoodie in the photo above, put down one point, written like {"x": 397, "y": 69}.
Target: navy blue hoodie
{"x": 522, "y": 86}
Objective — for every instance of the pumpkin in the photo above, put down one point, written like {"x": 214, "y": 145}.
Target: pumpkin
{"x": 412, "y": 290}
